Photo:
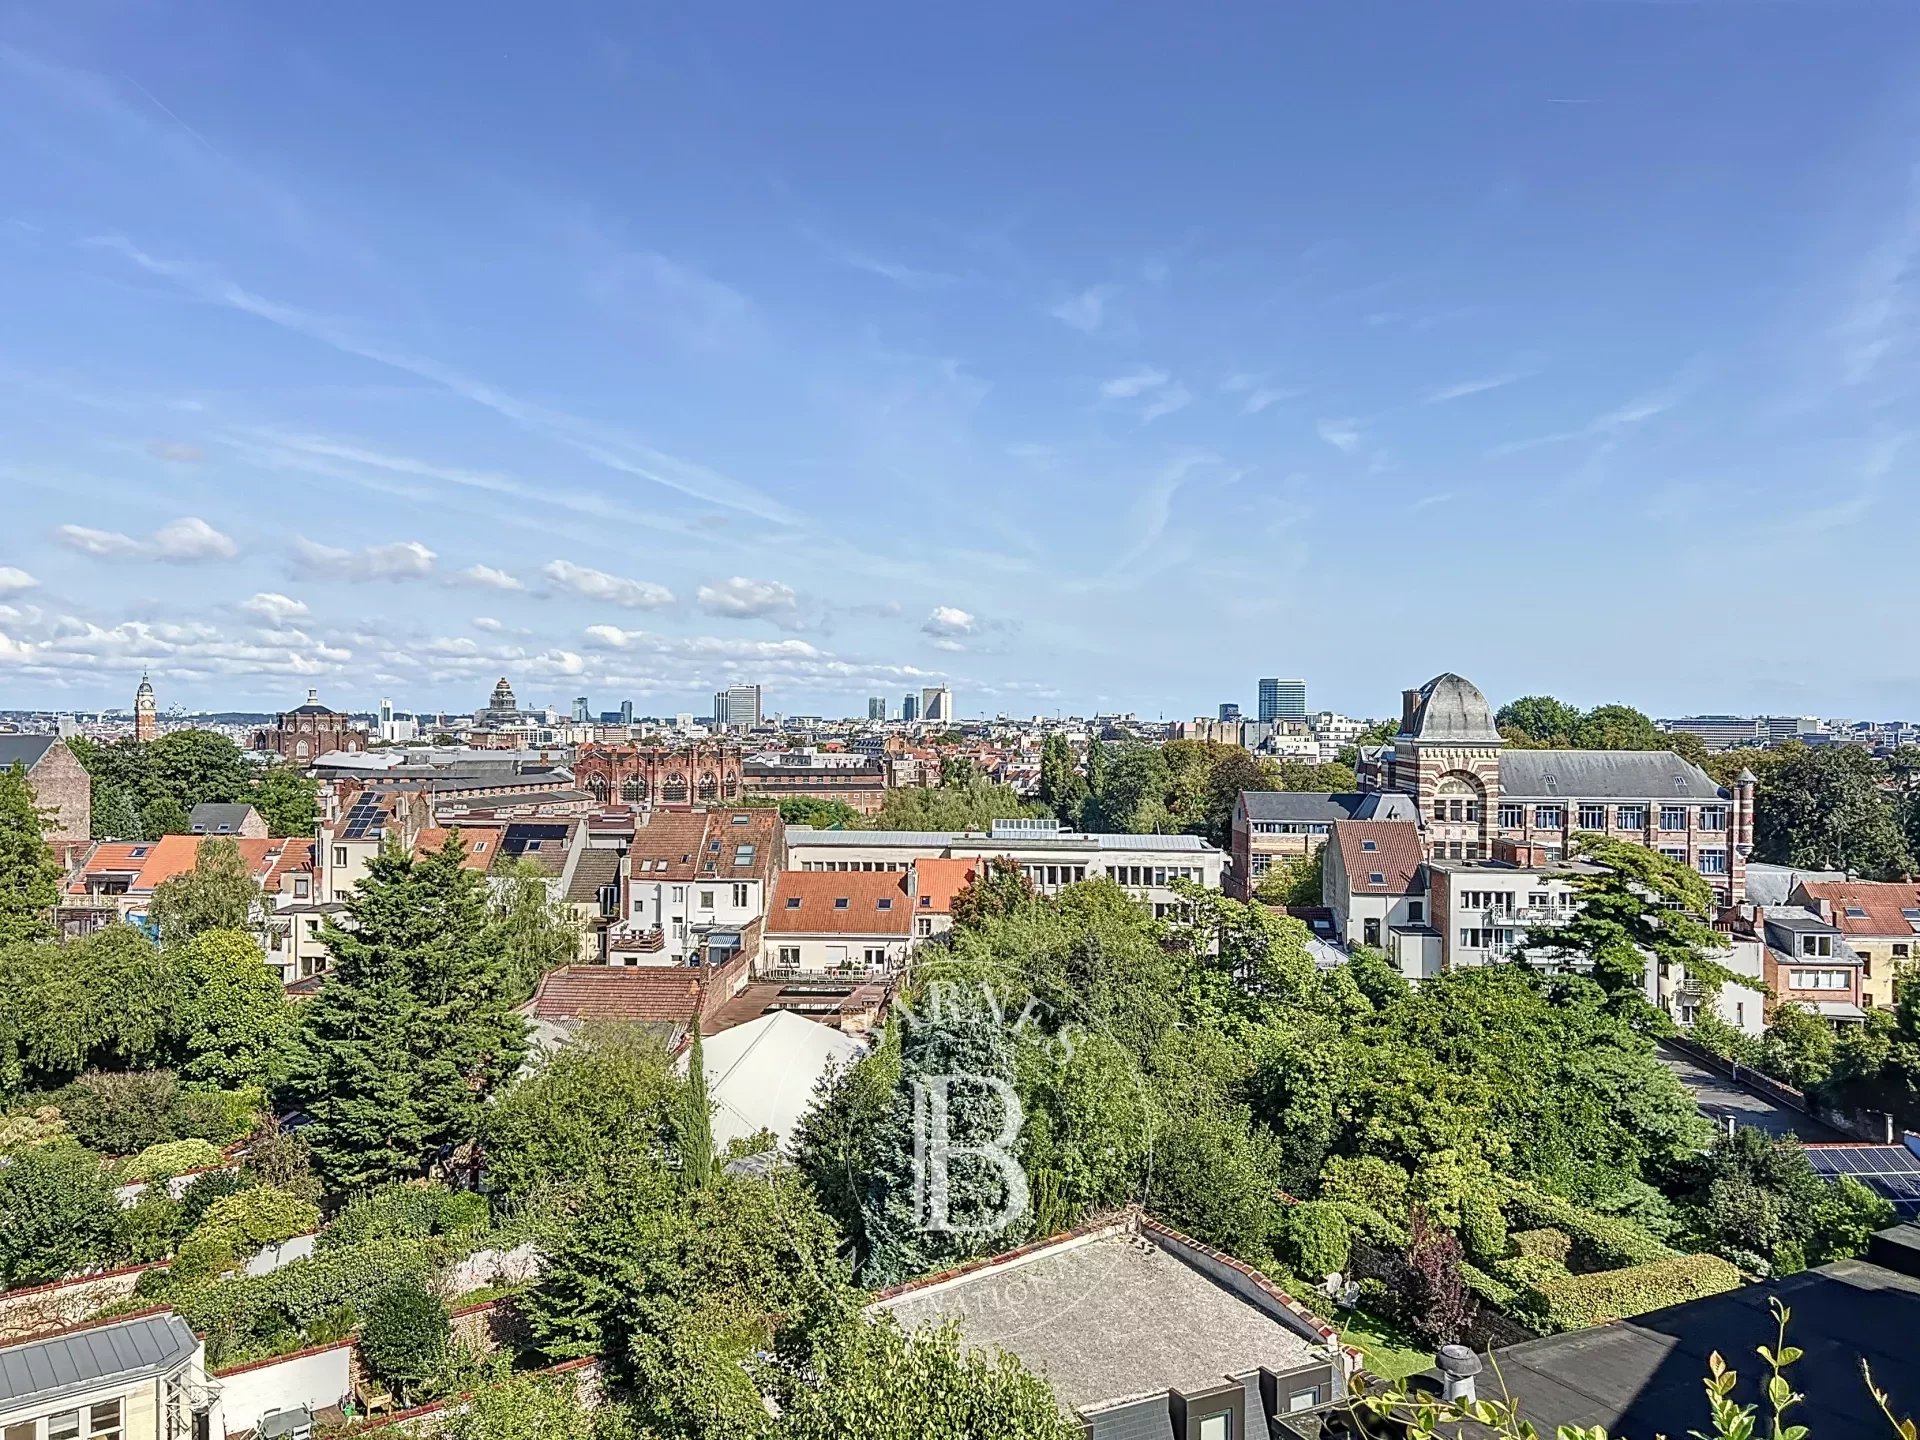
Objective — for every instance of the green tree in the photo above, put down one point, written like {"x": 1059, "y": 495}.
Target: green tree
{"x": 997, "y": 888}
{"x": 1097, "y": 758}
{"x": 1062, "y": 790}
{"x": 192, "y": 767}
{"x": 1619, "y": 727}
{"x": 1538, "y": 722}
{"x": 115, "y": 816}
{"x": 1293, "y": 882}
{"x": 57, "y": 1214}
{"x": 287, "y": 799}
{"x": 164, "y": 815}
{"x": 954, "y": 1056}
{"x": 107, "y": 999}
{"x": 1756, "y": 1196}
{"x": 533, "y": 932}
{"x": 1640, "y": 903}
{"x": 405, "y": 1337}
{"x": 414, "y": 1028}
{"x": 1829, "y": 808}
{"x": 233, "y": 1018}
{"x": 820, "y": 814}
{"x": 841, "y": 1129}
{"x": 219, "y": 893}
{"x": 695, "y": 1128}
{"x": 29, "y": 875}
{"x": 973, "y": 805}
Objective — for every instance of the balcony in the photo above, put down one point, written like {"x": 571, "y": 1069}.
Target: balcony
{"x": 642, "y": 942}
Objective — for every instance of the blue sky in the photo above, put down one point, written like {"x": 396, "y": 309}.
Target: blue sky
{"x": 1077, "y": 356}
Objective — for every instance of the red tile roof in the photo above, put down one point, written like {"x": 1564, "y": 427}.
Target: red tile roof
{"x": 1396, "y": 854}
{"x": 938, "y": 881}
{"x": 155, "y": 861}
{"x": 656, "y": 993}
{"x": 1881, "y": 900}
{"x": 482, "y": 842}
{"x": 840, "y": 902}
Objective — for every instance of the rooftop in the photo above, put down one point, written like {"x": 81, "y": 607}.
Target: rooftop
{"x": 840, "y": 902}
{"x": 40, "y": 1372}
{"x": 760, "y": 1075}
{"x": 24, "y": 750}
{"x": 1114, "y": 1314}
{"x": 1305, "y": 807}
{"x": 1649, "y": 775}
{"x": 1449, "y": 709}
{"x": 1390, "y": 849}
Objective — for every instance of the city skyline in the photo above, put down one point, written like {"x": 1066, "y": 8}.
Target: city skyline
{"x": 1128, "y": 328}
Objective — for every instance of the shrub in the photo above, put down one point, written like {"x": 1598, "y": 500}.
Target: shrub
{"x": 221, "y": 1116}
{"x": 244, "y": 1317}
{"x": 1597, "y": 1242}
{"x": 237, "y": 1226}
{"x": 57, "y": 1214}
{"x": 1483, "y": 1229}
{"x": 405, "y": 1337}
{"x": 408, "y": 1212}
{"x": 171, "y": 1158}
{"x": 25, "y": 1129}
{"x": 1314, "y": 1239}
{"x": 1367, "y": 1180}
{"x": 1366, "y": 1223}
{"x": 120, "y": 1114}
{"x": 1489, "y": 1289}
{"x": 1547, "y": 1244}
{"x": 1575, "y": 1302}
{"x": 203, "y": 1190}
{"x": 149, "y": 1227}
{"x": 280, "y": 1158}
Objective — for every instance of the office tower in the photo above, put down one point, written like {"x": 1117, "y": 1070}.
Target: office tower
{"x": 910, "y": 709}
{"x": 737, "y": 707}
{"x": 936, "y": 705}
{"x": 626, "y": 712}
{"x": 876, "y": 707}
{"x": 1229, "y": 712}
{"x": 1282, "y": 700}
{"x": 386, "y": 715}
{"x": 580, "y": 711}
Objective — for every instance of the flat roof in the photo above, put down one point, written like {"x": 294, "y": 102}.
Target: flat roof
{"x": 1106, "y": 1317}
{"x": 41, "y": 1371}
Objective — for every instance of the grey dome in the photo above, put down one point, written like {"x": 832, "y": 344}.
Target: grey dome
{"x": 1449, "y": 709}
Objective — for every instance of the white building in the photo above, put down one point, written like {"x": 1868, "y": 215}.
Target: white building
{"x": 694, "y": 881}
{"x": 936, "y": 705}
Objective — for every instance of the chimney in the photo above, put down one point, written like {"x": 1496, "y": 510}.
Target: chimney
{"x": 1409, "y": 702}
{"x": 1457, "y": 1365}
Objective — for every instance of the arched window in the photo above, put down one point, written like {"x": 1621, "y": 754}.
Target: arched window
{"x": 633, "y": 789}
{"x": 676, "y": 787}
{"x": 709, "y": 787}
{"x": 597, "y": 787}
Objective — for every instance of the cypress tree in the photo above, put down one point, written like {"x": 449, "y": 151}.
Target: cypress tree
{"x": 696, "y": 1125}
{"x": 414, "y": 1026}
{"x": 29, "y": 875}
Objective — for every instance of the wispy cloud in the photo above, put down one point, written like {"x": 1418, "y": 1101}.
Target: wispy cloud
{"x": 739, "y": 598}
{"x": 1260, "y": 395}
{"x": 1608, "y": 427}
{"x": 13, "y": 580}
{"x": 273, "y": 607}
{"x": 1086, "y": 311}
{"x": 1880, "y": 318}
{"x": 186, "y": 541}
{"x": 1344, "y": 435}
{"x": 613, "y": 589}
{"x": 488, "y": 578}
{"x": 400, "y": 560}
{"x": 1165, "y": 401}
{"x": 1426, "y": 501}
{"x": 1461, "y": 389}
{"x": 1134, "y": 382}
{"x": 176, "y": 451}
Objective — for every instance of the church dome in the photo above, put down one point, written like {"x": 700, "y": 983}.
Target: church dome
{"x": 1449, "y": 708}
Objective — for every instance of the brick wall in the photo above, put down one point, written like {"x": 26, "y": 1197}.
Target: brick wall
{"x": 61, "y": 785}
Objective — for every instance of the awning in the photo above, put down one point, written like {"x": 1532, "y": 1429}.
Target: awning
{"x": 1839, "y": 1010}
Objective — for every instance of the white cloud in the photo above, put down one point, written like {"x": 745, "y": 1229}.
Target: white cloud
{"x": 615, "y": 590}
{"x": 1134, "y": 382}
{"x": 1262, "y": 399}
{"x": 186, "y": 541}
{"x": 742, "y": 599}
{"x": 488, "y": 624}
{"x": 13, "y": 580}
{"x": 948, "y": 622}
{"x": 401, "y": 560}
{"x": 612, "y": 637}
{"x": 1173, "y": 397}
{"x": 489, "y": 578}
{"x": 1343, "y": 435}
{"x": 179, "y": 453}
{"x": 1465, "y": 388}
{"x": 1085, "y": 312}
{"x": 273, "y": 607}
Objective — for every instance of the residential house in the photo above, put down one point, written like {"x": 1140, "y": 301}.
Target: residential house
{"x": 1285, "y": 825}
{"x": 1142, "y": 1333}
{"x": 1881, "y": 923}
{"x": 139, "y": 1379}
{"x": 62, "y": 789}
{"x": 694, "y": 880}
{"x": 345, "y": 844}
{"x": 933, "y": 884}
{"x": 1375, "y": 882}
{"x": 1472, "y": 791}
{"x": 838, "y": 923}
{"x": 660, "y": 998}
{"x": 1808, "y": 962}
{"x": 212, "y": 818}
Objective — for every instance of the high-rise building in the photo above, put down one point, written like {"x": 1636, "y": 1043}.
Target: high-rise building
{"x": 580, "y": 711}
{"x": 876, "y": 707}
{"x": 1229, "y": 712}
{"x": 910, "y": 709}
{"x": 737, "y": 707}
{"x": 1282, "y": 700}
{"x": 146, "y": 713}
{"x": 936, "y": 705}
{"x": 626, "y": 712}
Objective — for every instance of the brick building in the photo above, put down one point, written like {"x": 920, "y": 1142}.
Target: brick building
{"x": 60, "y": 784}
{"x": 662, "y": 776}
{"x": 302, "y": 735}
{"x": 858, "y": 781}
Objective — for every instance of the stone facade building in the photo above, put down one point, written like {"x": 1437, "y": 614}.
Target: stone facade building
{"x": 303, "y": 735}
{"x": 61, "y": 787}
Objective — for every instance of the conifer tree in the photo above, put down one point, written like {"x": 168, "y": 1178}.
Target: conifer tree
{"x": 696, "y": 1123}
{"x": 414, "y": 1026}
{"x": 29, "y": 875}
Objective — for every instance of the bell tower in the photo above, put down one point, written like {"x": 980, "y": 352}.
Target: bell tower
{"x": 146, "y": 716}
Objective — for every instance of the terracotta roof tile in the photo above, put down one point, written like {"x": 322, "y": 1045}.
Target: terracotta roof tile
{"x": 654, "y": 993}
{"x": 936, "y": 882}
{"x": 1881, "y": 904}
{"x": 840, "y": 902}
{"x": 482, "y": 842}
{"x": 1395, "y": 854}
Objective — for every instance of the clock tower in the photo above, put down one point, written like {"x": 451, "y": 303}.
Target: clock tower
{"x": 146, "y": 718}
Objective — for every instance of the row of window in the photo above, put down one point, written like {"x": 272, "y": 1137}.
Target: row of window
{"x": 1588, "y": 815}
{"x": 1290, "y": 827}
{"x": 875, "y": 957}
{"x": 100, "y": 1421}
{"x": 1820, "y": 979}
{"x": 1140, "y": 875}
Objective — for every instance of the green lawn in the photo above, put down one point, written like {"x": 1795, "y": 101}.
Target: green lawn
{"x": 1392, "y": 1354}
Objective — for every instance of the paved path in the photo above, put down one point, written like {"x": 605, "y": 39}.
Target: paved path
{"x": 1718, "y": 1097}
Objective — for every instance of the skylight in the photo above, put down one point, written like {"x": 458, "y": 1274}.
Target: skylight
{"x": 883, "y": 903}
{"x": 1856, "y": 912}
{"x": 793, "y": 902}
{"x": 841, "y": 903}
{"x": 1369, "y": 845}
{"x": 1376, "y": 877}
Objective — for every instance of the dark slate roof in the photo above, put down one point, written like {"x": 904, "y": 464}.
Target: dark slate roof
{"x": 1650, "y": 775}
{"x": 210, "y": 817}
{"x": 1304, "y": 807}
{"x": 1451, "y": 708}
{"x": 25, "y": 750}
{"x": 1642, "y": 1376}
{"x": 43, "y": 1370}
{"x": 598, "y": 866}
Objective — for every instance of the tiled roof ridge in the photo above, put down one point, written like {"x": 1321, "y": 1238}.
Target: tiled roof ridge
{"x": 1151, "y": 1226}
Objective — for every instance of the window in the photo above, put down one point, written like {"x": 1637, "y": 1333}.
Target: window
{"x": 1456, "y": 810}
{"x": 923, "y": 926}
{"x": 1370, "y": 931}
{"x": 340, "y": 855}
{"x": 1816, "y": 945}
{"x": 1713, "y": 862}
{"x": 1439, "y": 809}
{"x": 1593, "y": 817}
{"x": 1376, "y": 877}
{"x": 789, "y": 954}
{"x": 1454, "y": 851}
{"x": 885, "y": 902}
{"x": 1369, "y": 845}
{"x": 1630, "y": 817}
{"x": 1416, "y": 912}
{"x": 1673, "y": 817}
{"x": 876, "y": 957}
{"x": 1304, "y": 1399}
{"x": 1819, "y": 980}
{"x": 1856, "y": 912}
{"x": 1549, "y": 817}
{"x": 1901, "y": 948}
{"x": 706, "y": 899}
{"x": 301, "y": 887}
{"x": 841, "y": 903}
{"x": 1537, "y": 900}
{"x": 1713, "y": 817}
{"x": 1674, "y": 852}
{"x": 793, "y": 902}
{"x": 1512, "y": 817}
{"x": 743, "y": 854}
{"x": 1216, "y": 1427}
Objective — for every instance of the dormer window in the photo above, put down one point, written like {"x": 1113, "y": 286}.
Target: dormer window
{"x": 1369, "y": 846}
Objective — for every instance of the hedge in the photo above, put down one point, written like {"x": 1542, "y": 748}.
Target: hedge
{"x": 1554, "y": 1245}
{"x": 408, "y": 1212}
{"x": 1488, "y": 1288}
{"x": 1596, "y": 1242}
{"x": 305, "y": 1302}
{"x": 1575, "y": 1302}
{"x": 170, "y": 1158}
{"x": 1314, "y": 1239}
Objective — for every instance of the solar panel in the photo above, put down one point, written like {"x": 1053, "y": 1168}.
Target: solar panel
{"x": 1890, "y": 1171}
